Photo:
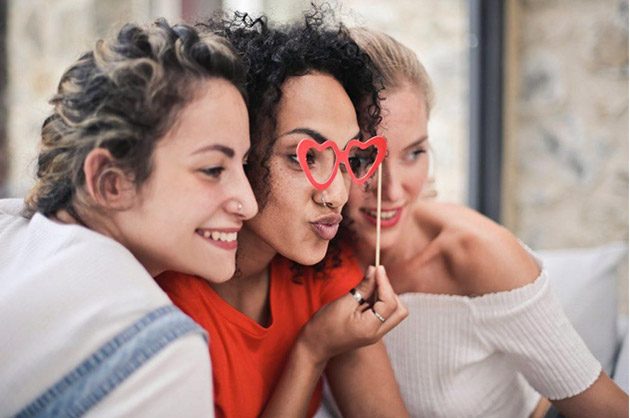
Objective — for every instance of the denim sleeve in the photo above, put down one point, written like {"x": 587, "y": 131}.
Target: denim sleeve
{"x": 116, "y": 361}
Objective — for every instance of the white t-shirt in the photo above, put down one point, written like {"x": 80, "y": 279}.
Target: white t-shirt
{"x": 72, "y": 300}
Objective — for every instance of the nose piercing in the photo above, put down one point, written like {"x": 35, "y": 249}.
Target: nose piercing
{"x": 239, "y": 207}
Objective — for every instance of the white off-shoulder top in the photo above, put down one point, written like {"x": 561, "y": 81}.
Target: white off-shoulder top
{"x": 488, "y": 356}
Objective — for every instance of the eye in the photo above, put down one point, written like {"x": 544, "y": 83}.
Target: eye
{"x": 309, "y": 158}
{"x": 214, "y": 172}
{"x": 355, "y": 163}
{"x": 414, "y": 155}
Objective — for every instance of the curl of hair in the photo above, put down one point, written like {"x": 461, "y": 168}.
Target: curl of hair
{"x": 124, "y": 96}
{"x": 271, "y": 56}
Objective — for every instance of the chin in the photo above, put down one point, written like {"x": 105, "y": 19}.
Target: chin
{"x": 308, "y": 257}
{"x": 213, "y": 274}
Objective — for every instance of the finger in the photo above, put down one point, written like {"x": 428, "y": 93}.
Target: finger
{"x": 373, "y": 323}
{"x": 363, "y": 307}
{"x": 383, "y": 285}
{"x": 357, "y": 296}
{"x": 394, "y": 319}
{"x": 388, "y": 301}
{"x": 367, "y": 285}
{"x": 378, "y": 316}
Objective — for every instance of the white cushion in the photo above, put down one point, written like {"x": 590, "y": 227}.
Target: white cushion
{"x": 585, "y": 281}
{"x": 620, "y": 374}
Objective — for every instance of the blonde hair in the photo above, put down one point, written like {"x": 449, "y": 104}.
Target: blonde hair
{"x": 395, "y": 63}
{"x": 123, "y": 96}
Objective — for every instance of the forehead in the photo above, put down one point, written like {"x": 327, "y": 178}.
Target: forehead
{"x": 317, "y": 102}
{"x": 217, "y": 114}
{"x": 404, "y": 115}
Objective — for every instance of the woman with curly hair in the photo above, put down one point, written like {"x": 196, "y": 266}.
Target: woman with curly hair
{"x": 278, "y": 325}
{"x": 485, "y": 336}
{"x": 140, "y": 171}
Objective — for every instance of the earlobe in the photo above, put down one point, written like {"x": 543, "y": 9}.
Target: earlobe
{"x": 105, "y": 182}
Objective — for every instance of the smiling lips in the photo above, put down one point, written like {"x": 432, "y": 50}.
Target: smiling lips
{"x": 389, "y": 217}
{"x": 222, "y": 238}
{"x": 326, "y": 226}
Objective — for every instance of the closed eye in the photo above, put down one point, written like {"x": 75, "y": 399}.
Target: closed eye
{"x": 214, "y": 172}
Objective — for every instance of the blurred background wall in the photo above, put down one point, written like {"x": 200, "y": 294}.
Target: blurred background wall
{"x": 565, "y": 126}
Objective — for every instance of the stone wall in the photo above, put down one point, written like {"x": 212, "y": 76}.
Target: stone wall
{"x": 43, "y": 38}
{"x": 566, "y": 167}
{"x": 571, "y": 158}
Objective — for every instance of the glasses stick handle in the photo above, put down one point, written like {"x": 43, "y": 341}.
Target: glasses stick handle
{"x": 377, "y": 257}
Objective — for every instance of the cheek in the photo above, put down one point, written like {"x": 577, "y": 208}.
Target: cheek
{"x": 356, "y": 200}
{"x": 356, "y": 197}
{"x": 414, "y": 179}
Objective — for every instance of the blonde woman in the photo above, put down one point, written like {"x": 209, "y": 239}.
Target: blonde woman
{"x": 485, "y": 336}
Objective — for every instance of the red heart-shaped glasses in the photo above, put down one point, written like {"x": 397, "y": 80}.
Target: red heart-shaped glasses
{"x": 320, "y": 162}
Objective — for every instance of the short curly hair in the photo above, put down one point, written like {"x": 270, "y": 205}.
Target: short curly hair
{"x": 272, "y": 55}
{"x": 124, "y": 95}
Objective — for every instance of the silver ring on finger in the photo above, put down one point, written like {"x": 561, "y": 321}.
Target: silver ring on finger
{"x": 357, "y": 296}
{"x": 378, "y": 315}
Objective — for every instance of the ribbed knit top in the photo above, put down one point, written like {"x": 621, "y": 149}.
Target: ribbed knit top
{"x": 488, "y": 356}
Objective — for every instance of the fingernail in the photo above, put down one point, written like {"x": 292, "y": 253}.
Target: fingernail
{"x": 382, "y": 270}
{"x": 370, "y": 271}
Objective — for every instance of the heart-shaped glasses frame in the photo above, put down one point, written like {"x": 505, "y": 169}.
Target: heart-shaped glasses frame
{"x": 307, "y": 144}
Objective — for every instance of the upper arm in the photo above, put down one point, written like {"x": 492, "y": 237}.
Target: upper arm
{"x": 363, "y": 383}
{"x": 175, "y": 382}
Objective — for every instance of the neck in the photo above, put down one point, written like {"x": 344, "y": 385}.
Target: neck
{"x": 248, "y": 290}
{"x": 252, "y": 262}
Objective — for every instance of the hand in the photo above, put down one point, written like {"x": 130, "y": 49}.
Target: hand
{"x": 345, "y": 324}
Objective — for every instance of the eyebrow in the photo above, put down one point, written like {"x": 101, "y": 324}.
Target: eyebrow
{"x": 416, "y": 143}
{"x": 319, "y": 138}
{"x": 216, "y": 147}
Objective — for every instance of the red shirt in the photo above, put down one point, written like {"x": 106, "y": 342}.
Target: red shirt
{"x": 247, "y": 358}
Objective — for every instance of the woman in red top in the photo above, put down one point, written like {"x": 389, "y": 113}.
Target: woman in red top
{"x": 273, "y": 329}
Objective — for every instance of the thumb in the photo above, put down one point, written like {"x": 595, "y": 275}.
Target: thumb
{"x": 368, "y": 284}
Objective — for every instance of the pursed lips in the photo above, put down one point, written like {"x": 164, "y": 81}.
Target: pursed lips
{"x": 327, "y": 226}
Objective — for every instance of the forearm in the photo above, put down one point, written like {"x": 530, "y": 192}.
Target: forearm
{"x": 293, "y": 393}
{"x": 363, "y": 383}
{"x": 602, "y": 399}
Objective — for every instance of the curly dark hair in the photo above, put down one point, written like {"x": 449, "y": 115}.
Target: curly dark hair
{"x": 124, "y": 95}
{"x": 272, "y": 55}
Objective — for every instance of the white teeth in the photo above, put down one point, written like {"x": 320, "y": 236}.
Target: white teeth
{"x": 385, "y": 214}
{"x": 220, "y": 236}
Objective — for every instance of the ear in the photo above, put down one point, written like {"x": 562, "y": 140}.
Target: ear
{"x": 105, "y": 182}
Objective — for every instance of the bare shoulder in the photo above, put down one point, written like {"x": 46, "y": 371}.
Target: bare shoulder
{"x": 480, "y": 255}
